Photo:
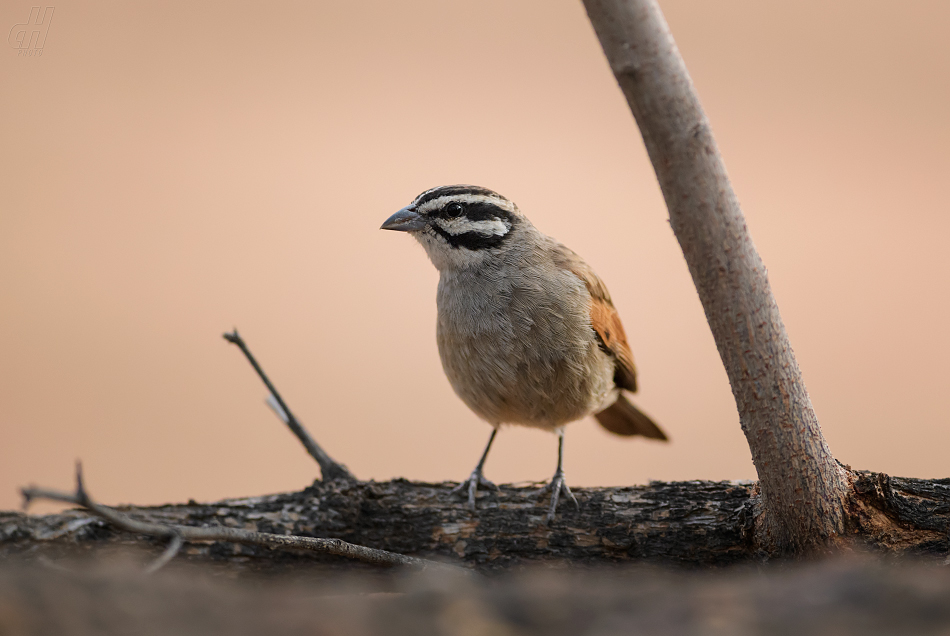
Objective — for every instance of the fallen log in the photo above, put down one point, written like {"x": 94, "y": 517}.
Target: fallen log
{"x": 693, "y": 523}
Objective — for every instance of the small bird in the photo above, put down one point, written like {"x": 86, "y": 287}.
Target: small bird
{"x": 526, "y": 330}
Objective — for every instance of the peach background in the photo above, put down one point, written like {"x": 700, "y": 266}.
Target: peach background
{"x": 173, "y": 169}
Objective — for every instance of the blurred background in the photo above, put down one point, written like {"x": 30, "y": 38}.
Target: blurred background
{"x": 173, "y": 170}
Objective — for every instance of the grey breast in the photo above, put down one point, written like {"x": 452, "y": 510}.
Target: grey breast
{"x": 516, "y": 343}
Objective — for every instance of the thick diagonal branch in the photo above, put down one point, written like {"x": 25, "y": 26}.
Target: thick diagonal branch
{"x": 329, "y": 468}
{"x": 803, "y": 488}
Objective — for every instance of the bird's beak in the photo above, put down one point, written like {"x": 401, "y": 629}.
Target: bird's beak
{"x": 406, "y": 220}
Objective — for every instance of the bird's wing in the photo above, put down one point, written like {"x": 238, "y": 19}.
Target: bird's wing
{"x": 603, "y": 317}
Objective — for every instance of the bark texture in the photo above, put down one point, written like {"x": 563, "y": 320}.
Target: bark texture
{"x": 803, "y": 488}
{"x": 693, "y": 523}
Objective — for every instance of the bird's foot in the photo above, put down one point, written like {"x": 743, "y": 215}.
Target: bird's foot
{"x": 471, "y": 485}
{"x": 557, "y": 487}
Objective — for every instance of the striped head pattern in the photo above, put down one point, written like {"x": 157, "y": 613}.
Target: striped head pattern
{"x": 458, "y": 224}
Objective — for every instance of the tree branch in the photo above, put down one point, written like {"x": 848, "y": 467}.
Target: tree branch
{"x": 329, "y": 468}
{"x": 179, "y": 533}
{"x": 695, "y": 523}
{"x": 803, "y": 488}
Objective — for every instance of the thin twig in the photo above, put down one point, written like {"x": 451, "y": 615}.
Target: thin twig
{"x": 170, "y": 552}
{"x": 329, "y": 468}
{"x": 178, "y": 533}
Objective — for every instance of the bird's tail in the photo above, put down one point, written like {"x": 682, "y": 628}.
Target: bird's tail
{"x": 623, "y": 418}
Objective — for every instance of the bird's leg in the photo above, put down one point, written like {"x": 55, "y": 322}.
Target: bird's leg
{"x": 477, "y": 479}
{"x": 557, "y": 486}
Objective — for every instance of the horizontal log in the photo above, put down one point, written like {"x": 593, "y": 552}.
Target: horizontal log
{"x": 683, "y": 523}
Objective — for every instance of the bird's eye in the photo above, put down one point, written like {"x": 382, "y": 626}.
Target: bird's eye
{"x": 453, "y": 210}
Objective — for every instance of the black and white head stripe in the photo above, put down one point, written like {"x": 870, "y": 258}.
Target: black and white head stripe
{"x": 467, "y": 216}
{"x": 451, "y": 190}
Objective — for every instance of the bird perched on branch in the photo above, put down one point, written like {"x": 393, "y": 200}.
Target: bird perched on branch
{"x": 527, "y": 332}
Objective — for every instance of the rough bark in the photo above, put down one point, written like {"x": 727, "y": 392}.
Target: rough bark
{"x": 803, "y": 489}
{"x": 681, "y": 523}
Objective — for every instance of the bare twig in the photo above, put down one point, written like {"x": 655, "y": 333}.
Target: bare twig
{"x": 329, "y": 468}
{"x": 173, "y": 547}
{"x": 178, "y": 534}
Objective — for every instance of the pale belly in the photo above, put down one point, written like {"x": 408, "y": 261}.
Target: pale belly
{"x": 519, "y": 359}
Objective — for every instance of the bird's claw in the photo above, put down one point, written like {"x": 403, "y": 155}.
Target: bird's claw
{"x": 557, "y": 487}
{"x": 470, "y": 486}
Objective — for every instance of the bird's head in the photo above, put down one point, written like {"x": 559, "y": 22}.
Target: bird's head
{"x": 460, "y": 225}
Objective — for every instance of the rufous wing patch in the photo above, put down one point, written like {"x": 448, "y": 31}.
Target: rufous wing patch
{"x": 606, "y": 323}
{"x": 603, "y": 318}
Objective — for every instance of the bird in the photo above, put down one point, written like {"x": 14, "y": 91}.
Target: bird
{"x": 527, "y": 332}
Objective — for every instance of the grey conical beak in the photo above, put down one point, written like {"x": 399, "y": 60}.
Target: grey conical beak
{"x": 406, "y": 220}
